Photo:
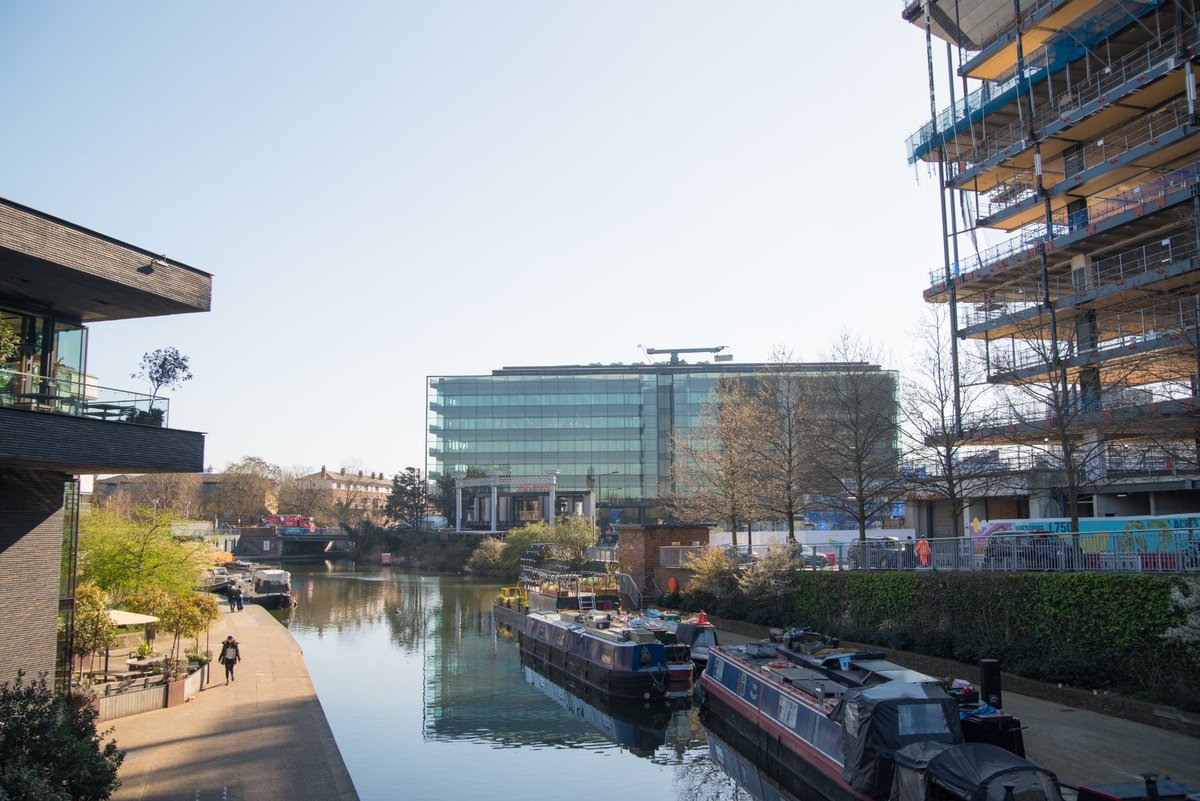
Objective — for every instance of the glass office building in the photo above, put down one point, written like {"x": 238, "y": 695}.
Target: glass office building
{"x": 606, "y": 428}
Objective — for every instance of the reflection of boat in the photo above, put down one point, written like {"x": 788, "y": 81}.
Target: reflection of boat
{"x": 752, "y": 769}
{"x": 641, "y": 728}
{"x": 599, "y": 651}
{"x": 835, "y": 718}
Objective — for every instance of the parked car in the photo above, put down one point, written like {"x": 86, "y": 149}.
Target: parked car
{"x": 885, "y": 553}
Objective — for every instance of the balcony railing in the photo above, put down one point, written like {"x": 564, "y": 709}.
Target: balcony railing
{"x": 1097, "y": 87}
{"x": 71, "y": 394}
{"x": 1021, "y": 185}
{"x": 1112, "y": 270}
{"x": 1024, "y": 245}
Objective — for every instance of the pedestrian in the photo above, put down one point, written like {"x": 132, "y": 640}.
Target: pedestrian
{"x": 241, "y": 598}
{"x": 234, "y": 589}
{"x": 924, "y": 551}
{"x": 231, "y": 654}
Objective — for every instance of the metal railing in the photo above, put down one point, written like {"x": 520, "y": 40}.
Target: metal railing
{"x": 1096, "y": 87}
{"x": 71, "y": 394}
{"x": 1111, "y": 270}
{"x": 1124, "y": 332}
{"x": 1112, "y": 551}
{"x": 604, "y": 555}
{"x": 1024, "y": 246}
{"x": 1022, "y": 183}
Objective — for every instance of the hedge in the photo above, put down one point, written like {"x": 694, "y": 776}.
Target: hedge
{"x": 1090, "y": 630}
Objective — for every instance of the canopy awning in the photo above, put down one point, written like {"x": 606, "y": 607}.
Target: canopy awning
{"x": 122, "y": 618}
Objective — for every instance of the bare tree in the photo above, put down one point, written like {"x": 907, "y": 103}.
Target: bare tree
{"x": 856, "y": 436}
{"x": 783, "y": 408}
{"x": 176, "y": 491}
{"x": 942, "y": 463}
{"x": 304, "y": 498}
{"x": 248, "y": 488}
{"x": 712, "y": 473}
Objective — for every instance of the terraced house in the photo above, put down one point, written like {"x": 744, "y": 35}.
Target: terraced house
{"x": 56, "y": 423}
{"x": 1064, "y": 136}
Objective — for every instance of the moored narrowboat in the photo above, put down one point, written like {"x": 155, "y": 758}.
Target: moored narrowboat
{"x": 604, "y": 654}
{"x": 834, "y": 719}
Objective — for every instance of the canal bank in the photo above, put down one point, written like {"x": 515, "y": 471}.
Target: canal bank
{"x": 1080, "y": 745}
{"x": 263, "y": 736}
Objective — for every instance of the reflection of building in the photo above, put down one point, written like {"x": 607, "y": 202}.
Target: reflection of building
{"x": 55, "y": 279}
{"x": 366, "y": 493}
{"x": 606, "y": 428}
{"x": 1070, "y": 130}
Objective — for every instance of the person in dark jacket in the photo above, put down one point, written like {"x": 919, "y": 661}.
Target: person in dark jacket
{"x": 231, "y": 654}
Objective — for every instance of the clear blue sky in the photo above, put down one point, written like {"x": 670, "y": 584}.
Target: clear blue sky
{"x": 387, "y": 190}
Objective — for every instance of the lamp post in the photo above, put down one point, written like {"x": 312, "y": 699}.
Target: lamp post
{"x": 154, "y": 503}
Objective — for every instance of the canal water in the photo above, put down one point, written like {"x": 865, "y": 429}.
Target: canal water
{"x": 427, "y": 699}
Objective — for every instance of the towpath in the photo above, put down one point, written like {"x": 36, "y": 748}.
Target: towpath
{"x": 262, "y": 737}
{"x": 1084, "y": 747}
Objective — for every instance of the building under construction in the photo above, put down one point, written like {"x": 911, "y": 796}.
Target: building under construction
{"x": 1063, "y": 134}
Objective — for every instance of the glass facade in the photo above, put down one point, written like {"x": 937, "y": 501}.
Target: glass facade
{"x": 605, "y": 428}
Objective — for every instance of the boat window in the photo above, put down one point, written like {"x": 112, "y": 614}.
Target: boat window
{"x": 606, "y": 656}
{"x": 922, "y": 719}
{"x": 718, "y": 668}
{"x": 787, "y": 711}
{"x": 749, "y": 689}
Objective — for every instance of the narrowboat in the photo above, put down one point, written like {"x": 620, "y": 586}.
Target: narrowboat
{"x": 510, "y": 606}
{"x": 600, "y": 651}
{"x": 554, "y": 591}
{"x": 272, "y": 589}
{"x": 834, "y": 719}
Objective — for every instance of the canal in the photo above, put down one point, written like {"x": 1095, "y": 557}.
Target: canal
{"x": 428, "y": 700}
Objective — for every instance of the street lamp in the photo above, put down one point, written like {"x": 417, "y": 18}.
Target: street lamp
{"x": 187, "y": 510}
{"x": 154, "y": 503}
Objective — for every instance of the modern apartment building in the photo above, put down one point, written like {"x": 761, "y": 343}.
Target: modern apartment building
{"x": 606, "y": 429}
{"x": 1068, "y": 134}
{"x": 56, "y": 279}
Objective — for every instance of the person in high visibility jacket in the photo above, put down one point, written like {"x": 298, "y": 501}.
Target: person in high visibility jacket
{"x": 924, "y": 551}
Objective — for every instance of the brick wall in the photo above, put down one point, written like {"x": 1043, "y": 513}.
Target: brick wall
{"x": 31, "y": 530}
{"x": 637, "y": 550}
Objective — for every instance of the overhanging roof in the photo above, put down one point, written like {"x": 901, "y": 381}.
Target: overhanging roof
{"x": 46, "y": 262}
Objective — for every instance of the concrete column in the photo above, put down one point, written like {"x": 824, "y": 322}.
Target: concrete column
{"x": 552, "y": 476}
{"x": 458, "y": 480}
{"x": 494, "y": 478}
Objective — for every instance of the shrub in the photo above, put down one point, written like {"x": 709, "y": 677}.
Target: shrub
{"x": 486, "y": 557}
{"x": 49, "y": 750}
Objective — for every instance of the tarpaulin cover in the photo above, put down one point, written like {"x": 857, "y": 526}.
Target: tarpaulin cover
{"x": 878, "y": 720}
{"x": 970, "y": 771}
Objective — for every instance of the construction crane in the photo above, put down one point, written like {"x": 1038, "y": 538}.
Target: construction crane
{"x": 676, "y": 351}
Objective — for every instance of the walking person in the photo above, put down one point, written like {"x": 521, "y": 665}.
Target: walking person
{"x": 234, "y": 589}
{"x": 231, "y": 654}
{"x": 241, "y": 598}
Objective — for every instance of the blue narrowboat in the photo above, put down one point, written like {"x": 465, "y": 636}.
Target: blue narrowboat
{"x": 599, "y": 652}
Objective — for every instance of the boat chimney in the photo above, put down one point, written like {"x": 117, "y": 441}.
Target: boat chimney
{"x": 1151, "y": 785}
{"x": 989, "y": 682}
{"x": 1008, "y": 791}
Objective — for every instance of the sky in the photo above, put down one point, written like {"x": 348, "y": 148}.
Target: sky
{"x": 389, "y": 190}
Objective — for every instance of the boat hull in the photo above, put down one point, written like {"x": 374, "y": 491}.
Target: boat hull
{"x": 795, "y": 763}
{"x": 508, "y": 616}
{"x": 635, "y": 685}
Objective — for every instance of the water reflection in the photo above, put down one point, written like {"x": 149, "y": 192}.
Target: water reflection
{"x": 427, "y": 698}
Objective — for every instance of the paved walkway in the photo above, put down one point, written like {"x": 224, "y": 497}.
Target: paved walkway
{"x": 260, "y": 738}
{"x": 1089, "y": 748}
